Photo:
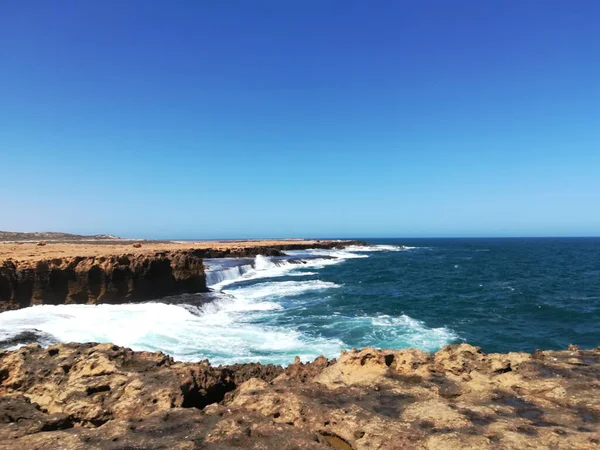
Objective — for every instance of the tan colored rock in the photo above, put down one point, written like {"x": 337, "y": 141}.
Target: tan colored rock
{"x": 92, "y": 280}
{"x": 105, "y": 397}
{"x": 409, "y": 361}
{"x": 356, "y": 367}
{"x": 117, "y": 271}
{"x": 436, "y": 414}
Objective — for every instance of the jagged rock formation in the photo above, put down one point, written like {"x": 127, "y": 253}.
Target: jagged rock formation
{"x": 79, "y": 396}
{"x": 103, "y": 279}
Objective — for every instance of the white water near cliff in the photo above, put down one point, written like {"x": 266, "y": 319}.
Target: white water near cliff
{"x": 378, "y": 248}
{"x": 263, "y": 267}
{"x": 261, "y": 312}
{"x": 186, "y": 333}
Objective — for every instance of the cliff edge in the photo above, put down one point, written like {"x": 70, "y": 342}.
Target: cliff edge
{"x": 63, "y": 273}
{"x": 102, "y": 279}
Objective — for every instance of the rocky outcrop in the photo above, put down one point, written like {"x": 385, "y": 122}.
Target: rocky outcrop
{"x": 103, "y": 279}
{"x": 80, "y": 396}
{"x": 123, "y": 278}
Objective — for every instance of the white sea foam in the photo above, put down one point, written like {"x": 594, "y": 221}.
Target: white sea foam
{"x": 223, "y": 275}
{"x": 404, "y": 331}
{"x": 264, "y": 267}
{"x": 217, "y": 333}
{"x": 339, "y": 255}
{"x": 279, "y": 289}
{"x": 378, "y": 248}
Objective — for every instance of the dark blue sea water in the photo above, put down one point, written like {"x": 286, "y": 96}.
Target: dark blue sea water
{"x": 500, "y": 294}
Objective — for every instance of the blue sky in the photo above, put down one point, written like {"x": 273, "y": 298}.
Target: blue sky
{"x": 314, "y": 118}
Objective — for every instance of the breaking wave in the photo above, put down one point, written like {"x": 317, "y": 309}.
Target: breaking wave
{"x": 220, "y": 332}
{"x": 263, "y": 267}
{"x": 280, "y": 289}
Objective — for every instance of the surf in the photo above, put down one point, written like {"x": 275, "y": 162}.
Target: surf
{"x": 263, "y": 309}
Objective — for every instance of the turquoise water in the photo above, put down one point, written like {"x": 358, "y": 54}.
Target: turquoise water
{"x": 500, "y": 294}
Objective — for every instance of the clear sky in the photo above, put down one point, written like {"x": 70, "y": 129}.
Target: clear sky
{"x": 215, "y": 119}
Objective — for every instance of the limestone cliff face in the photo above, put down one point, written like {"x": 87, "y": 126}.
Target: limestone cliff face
{"x": 104, "y": 279}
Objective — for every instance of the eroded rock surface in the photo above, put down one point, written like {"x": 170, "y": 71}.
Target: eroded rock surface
{"x": 102, "y": 279}
{"x": 79, "y": 396}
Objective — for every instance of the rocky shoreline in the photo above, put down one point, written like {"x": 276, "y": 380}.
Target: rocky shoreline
{"x": 100, "y": 396}
{"x": 121, "y": 273}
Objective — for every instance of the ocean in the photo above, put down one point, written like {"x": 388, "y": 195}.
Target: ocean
{"x": 500, "y": 294}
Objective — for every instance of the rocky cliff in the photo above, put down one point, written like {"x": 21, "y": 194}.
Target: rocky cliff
{"x": 138, "y": 275}
{"x": 102, "y": 279}
{"x": 80, "y": 396}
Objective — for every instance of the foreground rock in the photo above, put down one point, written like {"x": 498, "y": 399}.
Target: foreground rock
{"x": 77, "y": 396}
